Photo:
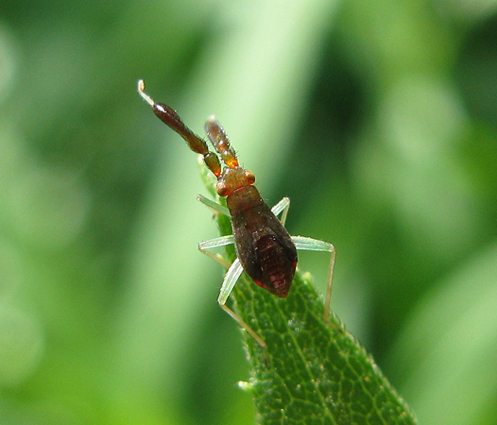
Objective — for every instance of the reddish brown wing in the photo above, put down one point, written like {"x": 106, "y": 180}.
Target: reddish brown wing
{"x": 265, "y": 248}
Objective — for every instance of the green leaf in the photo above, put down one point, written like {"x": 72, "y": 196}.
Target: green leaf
{"x": 311, "y": 372}
{"x": 315, "y": 373}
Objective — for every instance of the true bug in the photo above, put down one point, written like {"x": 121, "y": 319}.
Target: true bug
{"x": 263, "y": 246}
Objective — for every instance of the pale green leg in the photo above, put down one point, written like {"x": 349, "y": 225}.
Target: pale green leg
{"x": 234, "y": 270}
{"x": 282, "y": 206}
{"x": 214, "y": 205}
{"x": 308, "y": 244}
{"x": 216, "y": 243}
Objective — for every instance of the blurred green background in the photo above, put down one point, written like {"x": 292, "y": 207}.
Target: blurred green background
{"x": 377, "y": 118}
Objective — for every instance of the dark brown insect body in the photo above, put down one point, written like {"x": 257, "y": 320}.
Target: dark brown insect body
{"x": 262, "y": 243}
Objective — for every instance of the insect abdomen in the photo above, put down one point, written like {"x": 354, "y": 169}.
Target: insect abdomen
{"x": 277, "y": 268}
{"x": 263, "y": 245}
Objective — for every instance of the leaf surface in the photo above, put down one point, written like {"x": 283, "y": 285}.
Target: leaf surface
{"x": 311, "y": 372}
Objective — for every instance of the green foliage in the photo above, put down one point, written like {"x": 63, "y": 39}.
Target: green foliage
{"x": 377, "y": 118}
{"x": 311, "y": 372}
{"x": 315, "y": 374}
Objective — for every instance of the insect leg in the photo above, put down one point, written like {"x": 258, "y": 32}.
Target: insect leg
{"x": 213, "y": 205}
{"x": 282, "y": 206}
{"x": 309, "y": 244}
{"x": 216, "y": 243}
{"x": 234, "y": 270}
{"x": 229, "y": 282}
{"x": 233, "y": 274}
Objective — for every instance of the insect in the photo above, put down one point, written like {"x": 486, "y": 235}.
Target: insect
{"x": 263, "y": 246}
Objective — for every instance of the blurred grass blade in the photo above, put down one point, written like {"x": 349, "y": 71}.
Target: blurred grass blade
{"x": 453, "y": 332}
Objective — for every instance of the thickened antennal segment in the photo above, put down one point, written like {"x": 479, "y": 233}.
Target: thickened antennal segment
{"x": 169, "y": 117}
{"x": 220, "y": 141}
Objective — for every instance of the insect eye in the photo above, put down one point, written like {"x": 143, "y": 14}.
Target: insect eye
{"x": 222, "y": 189}
{"x": 250, "y": 176}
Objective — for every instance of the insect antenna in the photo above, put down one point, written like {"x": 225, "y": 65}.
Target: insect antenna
{"x": 169, "y": 117}
{"x": 220, "y": 141}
